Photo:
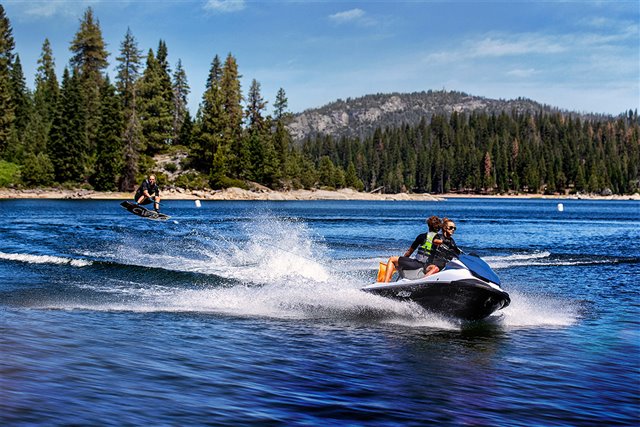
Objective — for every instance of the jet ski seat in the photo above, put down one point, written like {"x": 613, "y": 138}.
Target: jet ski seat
{"x": 410, "y": 274}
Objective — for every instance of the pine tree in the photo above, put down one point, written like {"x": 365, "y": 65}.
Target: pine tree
{"x": 109, "y": 163}
{"x": 21, "y": 97}
{"x": 129, "y": 63}
{"x": 262, "y": 164}
{"x": 281, "y": 138}
{"x": 47, "y": 89}
{"x": 155, "y": 105}
{"x": 210, "y": 123}
{"x": 351, "y": 178}
{"x": 88, "y": 62}
{"x": 7, "y": 106}
{"x": 36, "y": 135}
{"x": 37, "y": 170}
{"x": 67, "y": 148}
{"x": 232, "y": 102}
{"x": 180, "y": 94}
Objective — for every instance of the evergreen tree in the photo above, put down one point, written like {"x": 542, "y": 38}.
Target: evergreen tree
{"x": 21, "y": 97}
{"x": 129, "y": 63}
{"x": 282, "y": 138}
{"x": 210, "y": 123}
{"x": 67, "y": 149}
{"x": 180, "y": 94}
{"x": 88, "y": 62}
{"x": 232, "y": 104}
{"x": 36, "y": 136}
{"x": 7, "y": 106}
{"x": 37, "y": 170}
{"x": 47, "y": 89}
{"x": 155, "y": 105}
{"x": 109, "y": 163}
{"x": 351, "y": 178}
{"x": 132, "y": 141}
{"x": 263, "y": 162}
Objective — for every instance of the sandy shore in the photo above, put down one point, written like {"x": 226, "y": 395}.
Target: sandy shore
{"x": 239, "y": 194}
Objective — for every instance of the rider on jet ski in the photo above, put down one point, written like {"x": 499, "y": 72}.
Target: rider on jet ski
{"x": 447, "y": 249}
{"x": 426, "y": 244}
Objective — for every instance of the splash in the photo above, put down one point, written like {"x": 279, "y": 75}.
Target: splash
{"x": 279, "y": 268}
{"x": 539, "y": 311}
{"x": 540, "y": 259}
{"x": 44, "y": 259}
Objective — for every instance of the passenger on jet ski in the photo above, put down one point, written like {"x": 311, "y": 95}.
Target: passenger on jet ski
{"x": 425, "y": 243}
{"x": 447, "y": 249}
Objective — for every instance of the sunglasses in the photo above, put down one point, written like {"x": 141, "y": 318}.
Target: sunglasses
{"x": 451, "y": 228}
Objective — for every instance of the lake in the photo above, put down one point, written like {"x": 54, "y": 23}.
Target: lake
{"x": 251, "y": 313}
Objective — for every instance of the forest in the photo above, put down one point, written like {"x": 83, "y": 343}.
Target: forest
{"x": 85, "y": 130}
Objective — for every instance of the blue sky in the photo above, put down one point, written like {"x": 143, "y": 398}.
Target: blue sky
{"x": 577, "y": 55}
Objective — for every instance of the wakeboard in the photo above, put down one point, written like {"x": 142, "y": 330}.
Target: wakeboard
{"x": 144, "y": 212}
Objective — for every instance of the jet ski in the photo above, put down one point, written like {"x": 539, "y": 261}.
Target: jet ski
{"x": 466, "y": 289}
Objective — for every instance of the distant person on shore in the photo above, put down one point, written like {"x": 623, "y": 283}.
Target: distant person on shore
{"x": 447, "y": 249}
{"x": 425, "y": 243}
{"x": 148, "y": 192}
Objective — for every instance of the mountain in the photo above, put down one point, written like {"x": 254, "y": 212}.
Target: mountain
{"x": 359, "y": 117}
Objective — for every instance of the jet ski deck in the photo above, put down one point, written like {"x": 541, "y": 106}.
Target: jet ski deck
{"x": 466, "y": 289}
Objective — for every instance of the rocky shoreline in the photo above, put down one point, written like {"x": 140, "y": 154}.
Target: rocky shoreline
{"x": 266, "y": 194}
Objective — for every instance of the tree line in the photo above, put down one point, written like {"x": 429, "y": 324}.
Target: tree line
{"x": 87, "y": 130}
{"x": 490, "y": 153}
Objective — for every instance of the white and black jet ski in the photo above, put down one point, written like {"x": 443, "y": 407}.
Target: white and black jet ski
{"x": 467, "y": 288}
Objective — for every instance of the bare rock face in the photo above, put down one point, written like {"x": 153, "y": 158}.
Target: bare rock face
{"x": 359, "y": 117}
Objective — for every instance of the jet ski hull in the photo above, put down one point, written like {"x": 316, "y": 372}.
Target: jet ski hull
{"x": 463, "y": 299}
{"x": 466, "y": 289}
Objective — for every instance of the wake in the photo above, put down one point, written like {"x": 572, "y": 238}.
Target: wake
{"x": 277, "y": 269}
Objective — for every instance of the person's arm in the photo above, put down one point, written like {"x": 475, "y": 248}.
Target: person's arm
{"x": 414, "y": 245}
{"x": 455, "y": 247}
{"x": 145, "y": 189}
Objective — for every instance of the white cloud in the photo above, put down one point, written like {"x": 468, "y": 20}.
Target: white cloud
{"x": 48, "y": 8}
{"x": 225, "y": 5}
{"x": 522, "y": 72}
{"x": 357, "y": 16}
{"x": 522, "y": 45}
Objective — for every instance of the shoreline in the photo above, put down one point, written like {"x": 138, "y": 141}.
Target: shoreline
{"x": 265, "y": 194}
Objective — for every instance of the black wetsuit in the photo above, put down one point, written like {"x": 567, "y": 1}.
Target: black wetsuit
{"x": 152, "y": 189}
{"x": 445, "y": 252}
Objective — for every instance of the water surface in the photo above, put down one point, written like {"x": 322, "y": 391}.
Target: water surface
{"x": 250, "y": 313}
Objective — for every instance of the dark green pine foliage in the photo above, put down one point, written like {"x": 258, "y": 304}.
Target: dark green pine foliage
{"x": 128, "y": 68}
{"x": 109, "y": 162}
{"x": 7, "y": 106}
{"x": 22, "y": 104}
{"x": 490, "y": 153}
{"x": 282, "y": 140}
{"x": 88, "y": 62}
{"x": 263, "y": 160}
{"x": 45, "y": 100}
{"x": 37, "y": 167}
{"x": 238, "y": 152}
{"x": 129, "y": 64}
{"x": 21, "y": 97}
{"x": 68, "y": 143}
{"x": 210, "y": 123}
{"x": 180, "y": 88}
{"x": 155, "y": 104}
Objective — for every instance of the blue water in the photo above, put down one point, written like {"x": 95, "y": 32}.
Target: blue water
{"x": 250, "y": 313}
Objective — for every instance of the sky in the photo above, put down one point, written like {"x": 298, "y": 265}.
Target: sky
{"x": 580, "y": 56}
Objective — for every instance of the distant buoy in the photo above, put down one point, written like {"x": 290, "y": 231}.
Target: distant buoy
{"x": 198, "y": 203}
{"x": 560, "y": 207}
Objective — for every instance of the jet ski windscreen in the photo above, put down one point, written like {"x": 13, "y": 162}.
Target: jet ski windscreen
{"x": 480, "y": 268}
